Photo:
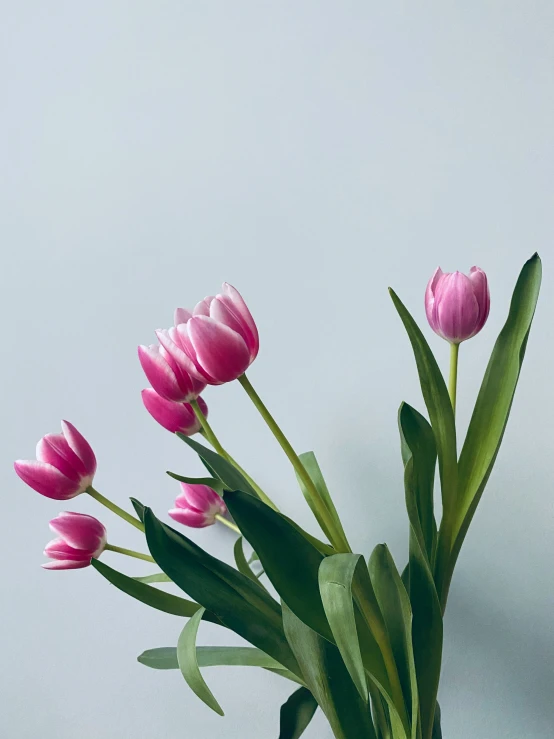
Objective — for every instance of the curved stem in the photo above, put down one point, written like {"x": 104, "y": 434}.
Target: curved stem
{"x": 214, "y": 441}
{"x": 115, "y": 508}
{"x": 453, "y": 379}
{"x": 130, "y": 553}
{"x": 338, "y": 538}
{"x": 228, "y": 523}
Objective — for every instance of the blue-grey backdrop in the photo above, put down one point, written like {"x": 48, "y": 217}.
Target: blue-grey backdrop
{"x": 311, "y": 153}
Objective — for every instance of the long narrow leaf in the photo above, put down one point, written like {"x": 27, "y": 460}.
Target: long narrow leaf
{"x": 223, "y": 469}
{"x": 296, "y": 714}
{"x": 211, "y": 482}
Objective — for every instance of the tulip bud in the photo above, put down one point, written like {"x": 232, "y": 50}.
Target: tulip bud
{"x": 197, "y": 506}
{"x": 80, "y": 538}
{"x": 170, "y": 377}
{"x": 219, "y": 337}
{"x": 65, "y": 465}
{"x": 457, "y": 305}
{"x": 173, "y": 416}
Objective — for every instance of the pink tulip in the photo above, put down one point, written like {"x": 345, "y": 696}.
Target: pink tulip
{"x": 219, "y": 338}
{"x": 64, "y": 467}
{"x": 173, "y": 379}
{"x": 197, "y": 506}
{"x": 173, "y": 416}
{"x": 457, "y": 305}
{"x": 80, "y": 538}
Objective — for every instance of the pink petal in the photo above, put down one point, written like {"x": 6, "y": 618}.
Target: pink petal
{"x": 481, "y": 290}
{"x": 182, "y": 315}
{"x": 201, "y": 497}
{"x": 67, "y": 564}
{"x": 457, "y": 309}
{"x": 80, "y": 446}
{"x": 203, "y": 307}
{"x": 188, "y": 517}
{"x": 46, "y": 480}
{"x": 80, "y": 531}
{"x": 54, "y": 450}
{"x": 220, "y": 352}
{"x": 240, "y": 309}
{"x": 430, "y": 298}
{"x": 172, "y": 416}
{"x": 190, "y": 381}
{"x": 186, "y": 343}
{"x": 60, "y": 549}
{"x": 159, "y": 373}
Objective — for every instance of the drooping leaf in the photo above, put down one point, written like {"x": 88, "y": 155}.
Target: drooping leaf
{"x": 151, "y": 596}
{"x": 156, "y": 577}
{"x": 311, "y": 466}
{"x": 188, "y": 664}
{"x": 222, "y": 469}
{"x": 328, "y": 680}
{"x": 239, "y": 603}
{"x": 427, "y": 627}
{"x": 296, "y": 713}
{"x": 211, "y": 482}
{"x": 437, "y": 400}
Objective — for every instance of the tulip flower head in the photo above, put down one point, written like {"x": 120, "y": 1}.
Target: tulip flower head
{"x": 173, "y": 416}
{"x": 64, "y": 467}
{"x": 197, "y": 506}
{"x": 170, "y": 375}
{"x": 457, "y": 305}
{"x": 80, "y": 538}
{"x": 219, "y": 338}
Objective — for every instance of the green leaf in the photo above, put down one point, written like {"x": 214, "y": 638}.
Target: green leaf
{"x": 395, "y": 607}
{"x": 438, "y": 404}
{"x": 156, "y": 577}
{"x": 223, "y": 469}
{"x": 311, "y": 466}
{"x": 239, "y": 603}
{"x": 427, "y": 626}
{"x": 328, "y": 680}
{"x": 296, "y": 714}
{"x": 165, "y": 658}
{"x": 139, "y": 508}
{"x": 437, "y": 731}
{"x": 186, "y": 657}
{"x": 240, "y": 560}
{"x": 211, "y": 482}
{"x": 151, "y": 596}
{"x": 495, "y": 398}
{"x": 290, "y": 561}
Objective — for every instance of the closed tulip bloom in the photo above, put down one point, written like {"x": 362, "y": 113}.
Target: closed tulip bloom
{"x": 170, "y": 377}
{"x": 219, "y": 337}
{"x": 457, "y": 305}
{"x": 173, "y": 416}
{"x": 80, "y": 538}
{"x": 197, "y": 506}
{"x": 64, "y": 467}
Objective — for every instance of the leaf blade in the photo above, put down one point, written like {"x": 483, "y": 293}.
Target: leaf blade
{"x": 296, "y": 713}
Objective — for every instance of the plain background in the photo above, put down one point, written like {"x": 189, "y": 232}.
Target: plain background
{"x": 311, "y": 153}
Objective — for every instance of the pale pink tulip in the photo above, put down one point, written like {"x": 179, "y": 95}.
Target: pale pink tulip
{"x": 64, "y": 467}
{"x": 170, "y": 378}
{"x": 457, "y": 305}
{"x": 219, "y": 338}
{"x": 197, "y": 506}
{"x": 173, "y": 416}
{"x": 80, "y": 538}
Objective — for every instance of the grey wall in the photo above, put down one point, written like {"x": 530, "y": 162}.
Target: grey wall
{"x": 310, "y": 153}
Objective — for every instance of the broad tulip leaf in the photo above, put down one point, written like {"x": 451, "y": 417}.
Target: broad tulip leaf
{"x": 156, "y": 577}
{"x": 188, "y": 664}
{"x": 211, "y": 482}
{"x": 427, "y": 626}
{"x": 395, "y": 607}
{"x": 239, "y": 603}
{"x": 290, "y": 561}
{"x": 139, "y": 508}
{"x": 223, "y": 469}
{"x": 328, "y": 680}
{"x": 296, "y": 714}
{"x": 437, "y": 400}
{"x": 495, "y": 398}
{"x": 437, "y": 731}
{"x": 311, "y": 466}
{"x": 151, "y": 596}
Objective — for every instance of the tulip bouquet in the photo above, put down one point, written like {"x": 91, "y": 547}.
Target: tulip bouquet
{"x": 360, "y": 638}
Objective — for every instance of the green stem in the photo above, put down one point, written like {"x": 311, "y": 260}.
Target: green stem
{"x": 228, "y": 523}
{"x": 453, "y": 379}
{"x": 115, "y": 508}
{"x": 130, "y": 553}
{"x": 214, "y": 441}
{"x": 338, "y": 538}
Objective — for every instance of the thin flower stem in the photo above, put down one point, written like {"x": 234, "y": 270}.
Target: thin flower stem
{"x": 130, "y": 553}
{"x": 231, "y": 525}
{"x": 338, "y": 538}
{"x": 453, "y": 379}
{"x": 115, "y": 508}
{"x": 214, "y": 441}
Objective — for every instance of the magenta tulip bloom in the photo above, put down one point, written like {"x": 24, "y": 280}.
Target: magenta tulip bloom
{"x": 80, "y": 538}
{"x": 457, "y": 305}
{"x": 173, "y": 416}
{"x": 64, "y": 467}
{"x": 219, "y": 337}
{"x": 169, "y": 376}
{"x": 197, "y": 506}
